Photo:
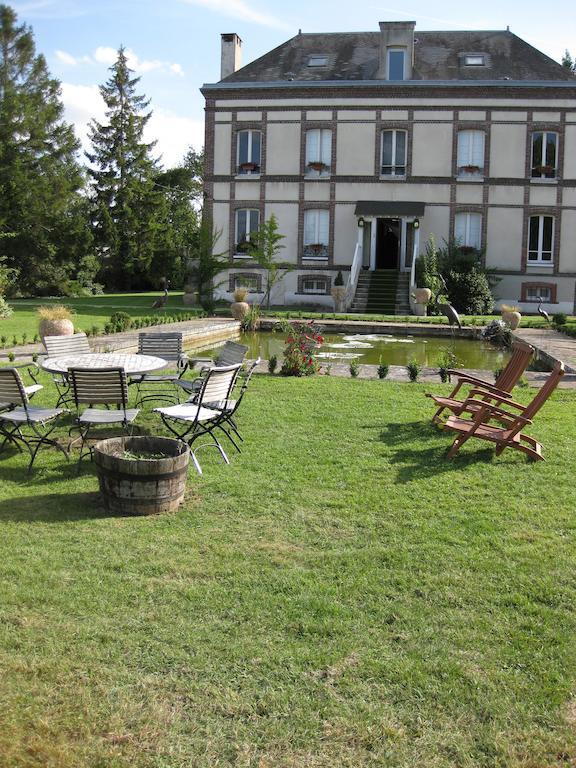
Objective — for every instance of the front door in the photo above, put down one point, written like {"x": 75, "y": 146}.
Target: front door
{"x": 387, "y": 244}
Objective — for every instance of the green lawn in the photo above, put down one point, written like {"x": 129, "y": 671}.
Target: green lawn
{"x": 341, "y": 595}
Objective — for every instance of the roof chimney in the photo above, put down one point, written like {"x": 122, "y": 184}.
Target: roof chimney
{"x": 395, "y": 37}
{"x": 231, "y": 54}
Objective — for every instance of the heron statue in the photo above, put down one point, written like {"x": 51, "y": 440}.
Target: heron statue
{"x": 446, "y": 309}
{"x": 162, "y": 301}
{"x": 542, "y": 312}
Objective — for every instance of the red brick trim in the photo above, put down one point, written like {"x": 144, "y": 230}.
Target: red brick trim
{"x": 233, "y": 276}
{"x": 313, "y": 276}
{"x": 540, "y": 284}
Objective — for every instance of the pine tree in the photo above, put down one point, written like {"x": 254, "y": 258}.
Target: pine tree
{"x": 39, "y": 173}
{"x": 568, "y": 62}
{"x": 125, "y": 200}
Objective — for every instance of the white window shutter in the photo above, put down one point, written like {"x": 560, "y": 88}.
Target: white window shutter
{"x": 323, "y": 224}
{"x": 326, "y": 148}
{"x": 477, "y": 149}
{"x": 312, "y": 146}
{"x": 310, "y": 218}
{"x": 460, "y": 228}
{"x": 463, "y": 144}
{"x": 475, "y": 231}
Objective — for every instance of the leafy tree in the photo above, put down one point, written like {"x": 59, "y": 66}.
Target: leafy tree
{"x": 124, "y": 196}
{"x": 265, "y": 247}
{"x": 39, "y": 174}
{"x": 568, "y": 62}
{"x": 205, "y": 265}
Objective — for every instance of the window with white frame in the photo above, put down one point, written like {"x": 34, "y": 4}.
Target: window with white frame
{"x": 393, "y": 153}
{"x": 317, "y": 285}
{"x": 470, "y": 158}
{"x": 316, "y": 235}
{"x": 468, "y": 229}
{"x": 544, "y": 155}
{"x": 539, "y": 293}
{"x": 396, "y": 63}
{"x": 318, "y": 151}
{"x": 249, "y": 149}
{"x": 247, "y": 222}
{"x": 540, "y": 239}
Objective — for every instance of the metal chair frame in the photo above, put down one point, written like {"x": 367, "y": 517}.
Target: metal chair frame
{"x": 205, "y": 416}
{"x": 169, "y": 347}
{"x": 59, "y": 346}
{"x": 229, "y": 409}
{"x": 103, "y": 386}
{"x": 20, "y": 415}
{"x": 230, "y": 354}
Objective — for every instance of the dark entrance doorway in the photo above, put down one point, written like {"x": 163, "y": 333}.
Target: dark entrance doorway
{"x": 387, "y": 243}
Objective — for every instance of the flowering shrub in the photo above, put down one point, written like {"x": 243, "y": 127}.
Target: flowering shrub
{"x": 301, "y": 343}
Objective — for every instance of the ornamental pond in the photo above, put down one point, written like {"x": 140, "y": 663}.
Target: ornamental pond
{"x": 391, "y": 349}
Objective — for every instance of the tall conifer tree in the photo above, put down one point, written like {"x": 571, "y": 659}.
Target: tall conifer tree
{"x": 39, "y": 172}
{"x": 123, "y": 170}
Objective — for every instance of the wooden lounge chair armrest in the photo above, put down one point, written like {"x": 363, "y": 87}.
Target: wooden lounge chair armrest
{"x": 506, "y": 400}
{"x": 488, "y": 411}
{"x": 466, "y": 379}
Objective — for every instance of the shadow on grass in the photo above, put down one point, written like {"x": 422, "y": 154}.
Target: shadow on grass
{"x": 419, "y": 458}
{"x": 53, "y": 508}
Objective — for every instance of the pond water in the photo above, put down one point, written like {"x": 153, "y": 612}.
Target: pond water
{"x": 393, "y": 350}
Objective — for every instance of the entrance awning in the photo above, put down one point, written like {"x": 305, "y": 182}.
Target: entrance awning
{"x": 390, "y": 209}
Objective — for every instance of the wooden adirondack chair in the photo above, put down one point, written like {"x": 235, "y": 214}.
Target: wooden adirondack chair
{"x": 507, "y": 434}
{"x": 504, "y": 384}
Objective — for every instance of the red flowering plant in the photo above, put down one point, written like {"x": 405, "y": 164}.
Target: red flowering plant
{"x": 302, "y": 340}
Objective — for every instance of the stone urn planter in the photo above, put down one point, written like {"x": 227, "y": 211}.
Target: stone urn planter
{"x": 240, "y": 306}
{"x": 511, "y": 316}
{"x": 422, "y": 295}
{"x": 339, "y": 295}
{"x": 55, "y": 320}
{"x": 142, "y": 475}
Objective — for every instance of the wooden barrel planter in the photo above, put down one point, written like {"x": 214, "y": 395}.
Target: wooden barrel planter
{"x": 142, "y": 475}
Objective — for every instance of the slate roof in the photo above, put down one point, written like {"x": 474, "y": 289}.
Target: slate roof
{"x": 437, "y": 56}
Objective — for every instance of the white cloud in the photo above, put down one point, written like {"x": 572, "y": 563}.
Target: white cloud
{"x": 240, "y": 10}
{"x": 174, "y": 133}
{"x": 106, "y": 55}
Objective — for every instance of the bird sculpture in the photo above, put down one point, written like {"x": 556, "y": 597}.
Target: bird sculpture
{"x": 161, "y": 302}
{"x": 447, "y": 309}
{"x": 542, "y": 312}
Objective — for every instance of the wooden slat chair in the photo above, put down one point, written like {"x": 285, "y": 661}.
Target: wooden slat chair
{"x": 508, "y": 433}
{"x": 190, "y": 421}
{"x": 62, "y": 346}
{"x": 230, "y": 354}
{"x": 503, "y": 386}
{"x": 169, "y": 347}
{"x": 23, "y": 424}
{"x": 103, "y": 386}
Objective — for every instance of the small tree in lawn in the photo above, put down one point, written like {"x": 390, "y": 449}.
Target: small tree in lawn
{"x": 265, "y": 248}
{"x": 205, "y": 264}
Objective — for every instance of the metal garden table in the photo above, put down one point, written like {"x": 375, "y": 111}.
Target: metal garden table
{"x": 132, "y": 364}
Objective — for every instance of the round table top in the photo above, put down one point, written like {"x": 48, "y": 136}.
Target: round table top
{"x": 132, "y": 364}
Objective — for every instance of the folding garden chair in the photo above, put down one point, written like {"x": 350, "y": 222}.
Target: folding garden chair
{"x": 23, "y": 424}
{"x": 229, "y": 408}
{"x": 504, "y": 384}
{"x": 169, "y": 347}
{"x": 103, "y": 386}
{"x": 62, "y": 346}
{"x": 230, "y": 354}
{"x": 190, "y": 421}
{"x": 513, "y": 417}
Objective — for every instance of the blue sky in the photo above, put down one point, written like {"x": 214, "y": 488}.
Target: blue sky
{"x": 174, "y": 45}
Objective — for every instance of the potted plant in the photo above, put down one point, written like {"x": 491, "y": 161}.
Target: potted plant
{"x": 240, "y": 306}
{"x": 317, "y": 165}
{"x": 248, "y": 167}
{"x": 469, "y": 169}
{"x": 142, "y": 475}
{"x": 511, "y": 316}
{"x": 339, "y": 293}
{"x": 545, "y": 170}
{"x": 55, "y": 320}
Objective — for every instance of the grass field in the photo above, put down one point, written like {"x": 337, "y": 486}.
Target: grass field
{"x": 341, "y": 595}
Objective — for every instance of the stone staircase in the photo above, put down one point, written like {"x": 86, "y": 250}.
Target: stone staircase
{"x": 383, "y": 292}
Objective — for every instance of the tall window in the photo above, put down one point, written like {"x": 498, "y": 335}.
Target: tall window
{"x": 470, "y": 160}
{"x": 544, "y": 155}
{"x": 541, "y": 239}
{"x": 318, "y": 151}
{"x": 316, "y": 235}
{"x": 247, "y": 222}
{"x": 468, "y": 229}
{"x": 396, "y": 63}
{"x": 393, "y": 153}
{"x": 249, "y": 151}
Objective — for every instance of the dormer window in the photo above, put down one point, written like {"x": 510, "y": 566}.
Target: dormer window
{"x": 474, "y": 60}
{"x": 396, "y": 63}
{"x": 317, "y": 60}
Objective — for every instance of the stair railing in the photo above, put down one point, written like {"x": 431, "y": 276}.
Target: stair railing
{"x": 413, "y": 268}
{"x": 353, "y": 276}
